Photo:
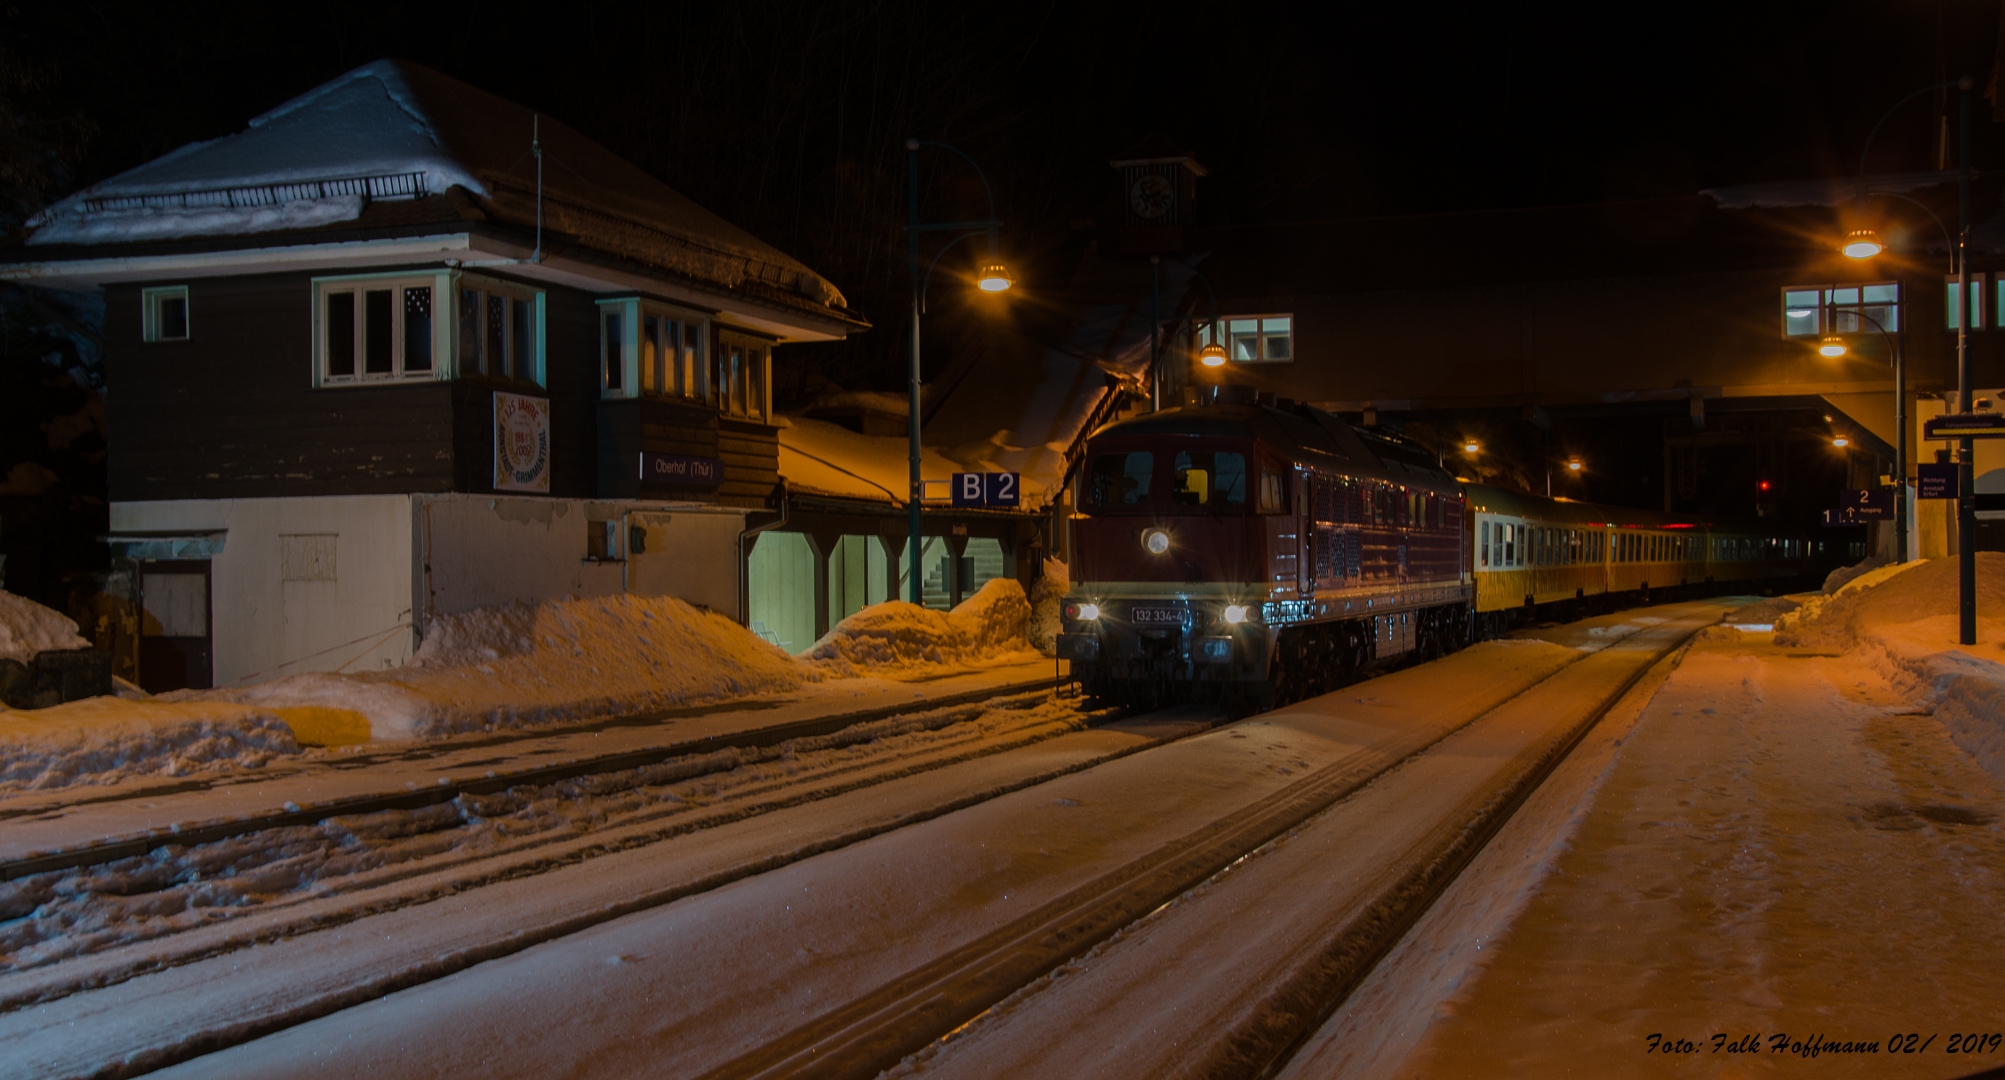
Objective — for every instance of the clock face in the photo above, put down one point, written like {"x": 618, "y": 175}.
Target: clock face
{"x": 1151, "y": 195}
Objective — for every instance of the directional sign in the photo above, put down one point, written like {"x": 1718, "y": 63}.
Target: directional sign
{"x": 996, "y": 489}
{"x": 1840, "y": 516}
{"x": 1869, "y": 505}
{"x": 1965, "y": 426}
{"x": 1935, "y": 481}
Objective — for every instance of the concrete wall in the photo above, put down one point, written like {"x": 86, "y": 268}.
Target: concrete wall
{"x": 481, "y": 550}
{"x": 275, "y": 617}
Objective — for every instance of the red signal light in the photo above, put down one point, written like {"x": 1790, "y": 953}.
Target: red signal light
{"x": 1764, "y": 485}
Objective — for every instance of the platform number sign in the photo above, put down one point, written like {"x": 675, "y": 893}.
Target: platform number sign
{"x": 996, "y": 489}
{"x": 1869, "y": 505}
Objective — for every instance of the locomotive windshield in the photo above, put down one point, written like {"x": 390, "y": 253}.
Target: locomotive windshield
{"x": 1210, "y": 478}
{"x": 1117, "y": 480}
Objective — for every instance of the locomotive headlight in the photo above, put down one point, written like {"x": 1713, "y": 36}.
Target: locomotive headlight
{"x": 1156, "y": 541}
{"x": 1082, "y": 612}
{"x": 1235, "y": 614}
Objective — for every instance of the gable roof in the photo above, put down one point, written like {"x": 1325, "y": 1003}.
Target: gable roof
{"x": 394, "y": 130}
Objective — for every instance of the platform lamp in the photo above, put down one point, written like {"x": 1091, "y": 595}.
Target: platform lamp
{"x": 1864, "y": 244}
{"x": 993, "y": 277}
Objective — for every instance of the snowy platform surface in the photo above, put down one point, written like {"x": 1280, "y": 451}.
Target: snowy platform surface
{"x": 152, "y": 808}
{"x": 759, "y": 968}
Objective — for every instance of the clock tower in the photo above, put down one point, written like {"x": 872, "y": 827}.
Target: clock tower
{"x": 1158, "y": 180}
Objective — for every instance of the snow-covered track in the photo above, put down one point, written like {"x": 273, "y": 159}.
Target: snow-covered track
{"x": 846, "y": 963}
{"x": 99, "y": 850}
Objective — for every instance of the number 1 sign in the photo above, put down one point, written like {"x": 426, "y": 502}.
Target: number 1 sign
{"x": 996, "y": 489}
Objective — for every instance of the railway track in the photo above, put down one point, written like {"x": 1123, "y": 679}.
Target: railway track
{"x": 912, "y": 1010}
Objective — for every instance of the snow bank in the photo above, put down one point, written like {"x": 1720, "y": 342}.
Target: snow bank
{"x": 1902, "y": 620}
{"x": 27, "y": 628}
{"x": 105, "y": 739}
{"x": 897, "y": 639}
{"x": 1047, "y": 597}
{"x": 523, "y": 664}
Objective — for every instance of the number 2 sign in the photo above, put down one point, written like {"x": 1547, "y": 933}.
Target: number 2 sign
{"x": 996, "y": 489}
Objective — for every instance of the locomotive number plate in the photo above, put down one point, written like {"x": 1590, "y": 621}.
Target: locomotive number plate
{"x": 1158, "y": 616}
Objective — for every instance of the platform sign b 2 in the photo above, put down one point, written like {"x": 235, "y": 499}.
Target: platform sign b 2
{"x": 996, "y": 489}
{"x": 1869, "y": 505}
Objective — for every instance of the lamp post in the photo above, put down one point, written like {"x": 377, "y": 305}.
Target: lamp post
{"x": 994, "y": 277}
{"x": 1900, "y": 411}
{"x": 1868, "y": 245}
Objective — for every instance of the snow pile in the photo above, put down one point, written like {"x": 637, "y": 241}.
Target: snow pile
{"x": 1046, "y": 598}
{"x": 523, "y": 664}
{"x": 1839, "y": 578}
{"x": 158, "y": 223}
{"x": 27, "y": 628}
{"x": 104, "y": 740}
{"x": 903, "y": 640}
{"x": 1902, "y": 620}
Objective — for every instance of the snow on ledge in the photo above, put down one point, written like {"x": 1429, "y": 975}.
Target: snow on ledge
{"x": 75, "y": 226}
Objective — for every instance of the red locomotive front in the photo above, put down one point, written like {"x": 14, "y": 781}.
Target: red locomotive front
{"x": 1250, "y": 553}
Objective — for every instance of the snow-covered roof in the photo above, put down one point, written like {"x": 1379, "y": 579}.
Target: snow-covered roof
{"x": 394, "y": 130}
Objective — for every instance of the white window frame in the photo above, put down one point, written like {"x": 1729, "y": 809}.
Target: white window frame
{"x": 1825, "y": 302}
{"x": 442, "y": 337}
{"x": 150, "y": 298}
{"x": 1221, "y": 332}
{"x": 490, "y": 287}
{"x": 693, "y": 364}
{"x": 741, "y": 400}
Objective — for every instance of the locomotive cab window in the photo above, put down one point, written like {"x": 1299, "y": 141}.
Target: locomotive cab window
{"x": 1273, "y": 491}
{"x": 1120, "y": 480}
{"x": 1210, "y": 478}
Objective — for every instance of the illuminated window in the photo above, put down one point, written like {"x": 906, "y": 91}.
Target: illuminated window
{"x": 1255, "y": 339}
{"x": 1951, "y": 289}
{"x": 1812, "y": 311}
{"x": 650, "y": 349}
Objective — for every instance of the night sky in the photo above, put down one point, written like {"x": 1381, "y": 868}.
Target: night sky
{"x": 788, "y": 117}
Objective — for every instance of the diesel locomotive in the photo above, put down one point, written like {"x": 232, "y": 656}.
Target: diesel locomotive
{"x": 1251, "y": 551}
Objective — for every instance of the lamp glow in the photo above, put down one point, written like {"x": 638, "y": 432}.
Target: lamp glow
{"x": 1862, "y": 244}
{"x": 1472, "y": 447}
{"x": 1832, "y": 346}
{"x": 1083, "y": 612}
{"x": 1841, "y": 442}
{"x": 1574, "y": 465}
{"x": 1156, "y": 541}
{"x": 1235, "y": 614}
{"x": 1212, "y": 355}
{"x": 994, "y": 278}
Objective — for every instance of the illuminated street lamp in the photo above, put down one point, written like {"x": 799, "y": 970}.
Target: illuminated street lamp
{"x": 1472, "y": 447}
{"x": 1573, "y": 465}
{"x": 1832, "y": 346}
{"x": 1212, "y": 355}
{"x": 1841, "y": 442}
{"x": 993, "y": 278}
{"x": 1863, "y": 244}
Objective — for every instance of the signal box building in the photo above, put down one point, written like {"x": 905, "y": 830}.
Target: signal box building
{"x": 402, "y": 348}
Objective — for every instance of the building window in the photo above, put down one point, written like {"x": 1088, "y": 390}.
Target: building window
{"x": 1255, "y": 339}
{"x": 741, "y": 369}
{"x": 377, "y": 329}
{"x": 500, "y": 331}
{"x": 651, "y": 349}
{"x": 1951, "y": 289}
{"x": 165, "y": 313}
{"x": 1813, "y": 311}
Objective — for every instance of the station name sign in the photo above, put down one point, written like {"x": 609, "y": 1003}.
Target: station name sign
{"x": 675, "y": 469}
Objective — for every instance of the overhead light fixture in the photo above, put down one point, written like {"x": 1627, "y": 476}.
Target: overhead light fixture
{"x": 1212, "y": 355}
{"x": 1862, "y": 244}
{"x": 1472, "y": 447}
{"x": 1832, "y": 345}
{"x": 994, "y": 278}
{"x": 1573, "y": 465}
{"x": 1841, "y": 442}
